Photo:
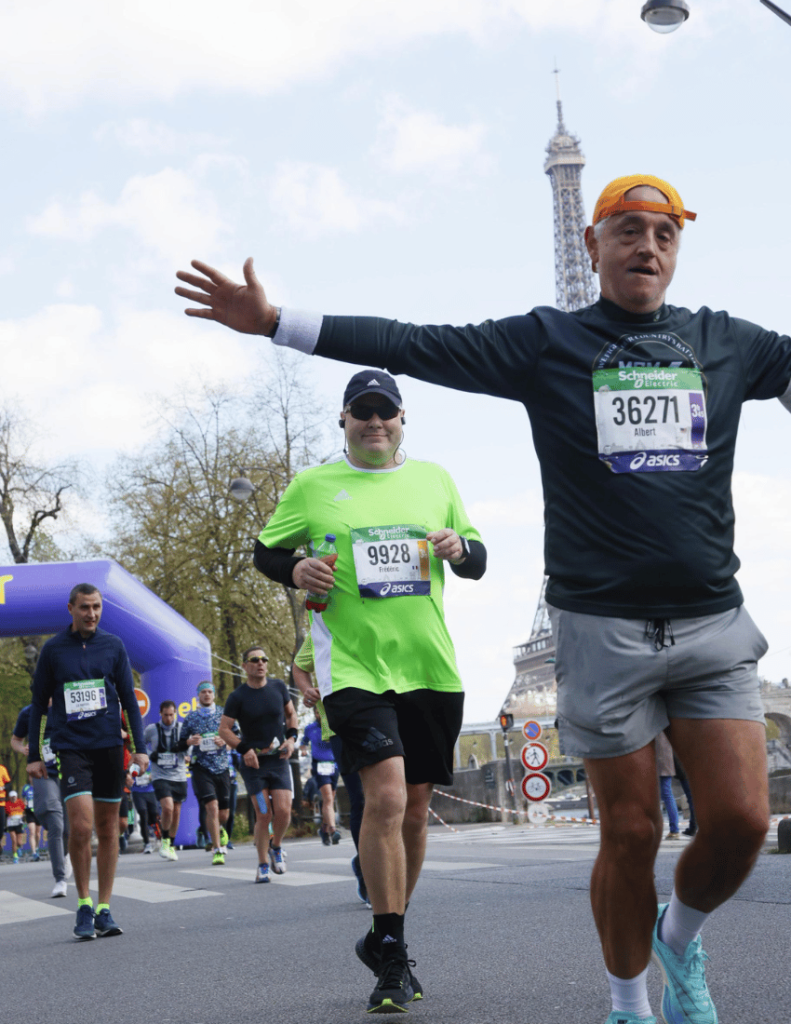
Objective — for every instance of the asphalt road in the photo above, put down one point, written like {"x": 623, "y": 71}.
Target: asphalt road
{"x": 500, "y": 928}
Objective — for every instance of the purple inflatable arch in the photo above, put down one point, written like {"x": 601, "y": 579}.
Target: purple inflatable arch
{"x": 171, "y": 655}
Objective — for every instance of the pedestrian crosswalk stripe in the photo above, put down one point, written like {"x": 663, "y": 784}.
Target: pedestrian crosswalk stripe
{"x": 15, "y": 909}
{"x": 296, "y": 878}
{"x": 455, "y": 865}
{"x": 154, "y": 892}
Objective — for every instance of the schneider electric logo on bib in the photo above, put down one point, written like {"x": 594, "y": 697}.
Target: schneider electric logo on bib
{"x": 649, "y": 378}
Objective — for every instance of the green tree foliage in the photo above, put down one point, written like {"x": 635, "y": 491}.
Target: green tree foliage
{"x": 177, "y": 528}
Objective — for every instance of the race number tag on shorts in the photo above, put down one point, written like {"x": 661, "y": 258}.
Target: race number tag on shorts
{"x": 207, "y": 744}
{"x": 46, "y": 753}
{"x": 84, "y": 699}
{"x": 326, "y": 767}
{"x": 650, "y": 419}
{"x": 391, "y": 561}
{"x": 167, "y": 760}
{"x": 143, "y": 780}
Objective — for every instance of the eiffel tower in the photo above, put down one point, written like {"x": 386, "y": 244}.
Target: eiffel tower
{"x": 534, "y": 691}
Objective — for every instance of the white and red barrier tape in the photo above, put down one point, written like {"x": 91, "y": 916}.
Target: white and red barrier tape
{"x": 510, "y": 810}
{"x": 551, "y": 817}
{"x": 441, "y": 821}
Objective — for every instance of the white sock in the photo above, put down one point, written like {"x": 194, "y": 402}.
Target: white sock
{"x": 680, "y": 925}
{"x": 630, "y": 994}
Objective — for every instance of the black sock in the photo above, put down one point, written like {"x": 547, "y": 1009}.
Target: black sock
{"x": 389, "y": 930}
{"x": 165, "y": 833}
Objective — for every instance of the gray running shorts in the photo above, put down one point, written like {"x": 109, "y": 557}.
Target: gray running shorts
{"x": 616, "y": 691}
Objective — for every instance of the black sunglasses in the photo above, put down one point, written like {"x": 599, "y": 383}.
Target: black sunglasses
{"x": 364, "y": 411}
{"x": 254, "y": 660}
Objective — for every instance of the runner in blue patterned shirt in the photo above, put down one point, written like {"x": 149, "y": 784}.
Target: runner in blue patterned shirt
{"x": 211, "y": 781}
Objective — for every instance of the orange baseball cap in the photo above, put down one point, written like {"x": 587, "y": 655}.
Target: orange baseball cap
{"x": 612, "y": 201}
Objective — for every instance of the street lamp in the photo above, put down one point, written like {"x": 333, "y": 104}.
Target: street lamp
{"x": 778, "y": 11}
{"x": 664, "y": 15}
{"x": 241, "y": 488}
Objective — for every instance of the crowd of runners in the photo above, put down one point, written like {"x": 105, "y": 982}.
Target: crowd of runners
{"x": 634, "y": 408}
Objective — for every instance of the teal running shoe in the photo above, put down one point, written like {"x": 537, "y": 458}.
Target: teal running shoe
{"x": 686, "y": 998}
{"x": 625, "y": 1017}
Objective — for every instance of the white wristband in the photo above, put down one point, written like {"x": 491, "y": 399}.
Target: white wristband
{"x": 298, "y": 329}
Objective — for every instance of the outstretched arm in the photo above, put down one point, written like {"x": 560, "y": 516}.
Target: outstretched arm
{"x": 242, "y": 307}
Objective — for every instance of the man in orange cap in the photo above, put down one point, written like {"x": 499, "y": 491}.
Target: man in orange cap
{"x": 634, "y": 407}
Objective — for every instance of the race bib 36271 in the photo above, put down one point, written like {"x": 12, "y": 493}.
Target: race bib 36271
{"x": 650, "y": 419}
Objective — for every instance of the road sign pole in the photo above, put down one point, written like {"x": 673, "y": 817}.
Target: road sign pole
{"x": 506, "y": 722}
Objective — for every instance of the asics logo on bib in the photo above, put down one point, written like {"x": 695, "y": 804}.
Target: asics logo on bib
{"x": 397, "y": 588}
{"x": 655, "y": 461}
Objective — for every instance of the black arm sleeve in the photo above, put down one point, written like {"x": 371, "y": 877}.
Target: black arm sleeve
{"x": 474, "y": 565}
{"x": 276, "y": 563}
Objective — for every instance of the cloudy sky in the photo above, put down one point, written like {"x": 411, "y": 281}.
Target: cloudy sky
{"x": 386, "y": 158}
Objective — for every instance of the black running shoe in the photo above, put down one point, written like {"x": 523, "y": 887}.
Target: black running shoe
{"x": 393, "y": 989}
{"x": 367, "y": 949}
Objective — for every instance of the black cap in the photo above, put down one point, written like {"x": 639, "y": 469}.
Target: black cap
{"x": 371, "y": 382}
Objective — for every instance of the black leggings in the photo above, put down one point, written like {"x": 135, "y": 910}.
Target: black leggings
{"x": 146, "y": 807}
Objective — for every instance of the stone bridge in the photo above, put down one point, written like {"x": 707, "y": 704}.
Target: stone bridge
{"x": 777, "y": 707}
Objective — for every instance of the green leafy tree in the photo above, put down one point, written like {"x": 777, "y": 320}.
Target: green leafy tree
{"x": 178, "y": 529}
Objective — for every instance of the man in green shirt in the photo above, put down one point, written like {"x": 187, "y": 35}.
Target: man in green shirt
{"x": 384, "y": 661}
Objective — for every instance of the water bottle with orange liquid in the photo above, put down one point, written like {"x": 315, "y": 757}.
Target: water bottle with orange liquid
{"x": 325, "y": 552}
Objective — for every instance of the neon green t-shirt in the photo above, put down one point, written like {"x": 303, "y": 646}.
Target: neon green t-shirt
{"x": 384, "y": 627}
{"x": 304, "y": 659}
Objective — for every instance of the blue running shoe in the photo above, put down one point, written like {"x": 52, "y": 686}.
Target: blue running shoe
{"x": 276, "y": 859}
{"x": 84, "y": 928}
{"x": 686, "y": 998}
{"x": 105, "y": 925}
{"x": 262, "y": 875}
{"x": 362, "y": 891}
{"x": 625, "y": 1017}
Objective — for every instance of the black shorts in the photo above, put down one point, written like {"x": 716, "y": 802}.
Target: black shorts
{"x": 272, "y": 773}
{"x": 30, "y": 816}
{"x": 322, "y": 779}
{"x": 165, "y": 788}
{"x": 19, "y": 829}
{"x": 96, "y": 773}
{"x": 207, "y": 787}
{"x": 421, "y": 726}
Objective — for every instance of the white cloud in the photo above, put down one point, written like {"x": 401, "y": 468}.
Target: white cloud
{"x": 52, "y": 54}
{"x": 168, "y": 213}
{"x": 417, "y": 141}
{"x": 520, "y": 510}
{"x": 6, "y": 265}
{"x": 314, "y": 200}
{"x": 148, "y": 136}
{"x": 119, "y": 365}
